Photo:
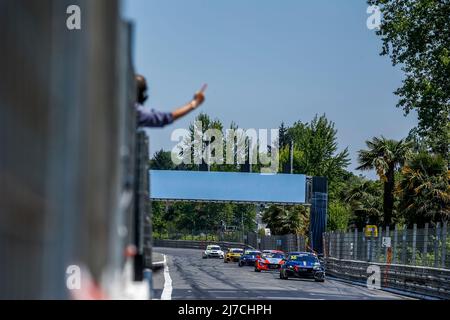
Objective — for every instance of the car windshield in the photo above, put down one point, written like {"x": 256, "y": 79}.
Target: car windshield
{"x": 275, "y": 255}
{"x": 309, "y": 259}
{"x": 236, "y": 251}
{"x": 253, "y": 253}
{"x": 213, "y": 248}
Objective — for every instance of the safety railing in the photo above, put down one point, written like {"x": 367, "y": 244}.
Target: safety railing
{"x": 286, "y": 243}
{"x": 428, "y": 246}
{"x": 410, "y": 260}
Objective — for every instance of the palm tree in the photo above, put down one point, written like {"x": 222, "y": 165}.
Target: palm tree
{"x": 424, "y": 189}
{"x": 385, "y": 156}
{"x": 364, "y": 200}
{"x": 282, "y": 220}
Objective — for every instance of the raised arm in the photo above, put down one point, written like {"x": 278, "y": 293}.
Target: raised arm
{"x": 199, "y": 98}
{"x": 153, "y": 118}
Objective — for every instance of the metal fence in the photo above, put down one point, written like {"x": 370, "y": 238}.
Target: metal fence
{"x": 428, "y": 246}
{"x": 287, "y": 243}
{"x": 198, "y": 236}
{"x": 200, "y": 245}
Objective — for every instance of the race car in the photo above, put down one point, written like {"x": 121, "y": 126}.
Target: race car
{"x": 249, "y": 257}
{"x": 302, "y": 265}
{"x": 213, "y": 251}
{"x": 233, "y": 255}
{"x": 270, "y": 260}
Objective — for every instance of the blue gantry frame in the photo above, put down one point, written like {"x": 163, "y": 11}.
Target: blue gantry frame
{"x": 235, "y": 187}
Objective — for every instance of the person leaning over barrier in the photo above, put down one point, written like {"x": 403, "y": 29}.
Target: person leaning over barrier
{"x": 153, "y": 118}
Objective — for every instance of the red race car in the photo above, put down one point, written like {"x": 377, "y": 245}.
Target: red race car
{"x": 270, "y": 260}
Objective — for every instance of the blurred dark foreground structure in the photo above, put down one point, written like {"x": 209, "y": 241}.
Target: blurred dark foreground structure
{"x": 72, "y": 190}
{"x": 74, "y": 183}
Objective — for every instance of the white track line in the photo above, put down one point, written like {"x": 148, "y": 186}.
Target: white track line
{"x": 167, "y": 292}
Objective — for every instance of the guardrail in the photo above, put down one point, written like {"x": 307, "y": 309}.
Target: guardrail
{"x": 186, "y": 244}
{"x": 424, "y": 281}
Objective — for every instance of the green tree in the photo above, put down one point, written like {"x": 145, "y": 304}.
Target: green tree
{"x": 284, "y": 139}
{"x": 424, "y": 189}
{"x": 364, "y": 199}
{"x": 286, "y": 220}
{"x": 285, "y": 159}
{"x": 273, "y": 217}
{"x": 416, "y": 36}
{"x": 385, "y": 156}
{"x": 248, "y": 213}
{"x": 201, "y": 217}
{"x": 339, "y": 215}
{"x": 188, "y": 218}
{"x": 338, "y": 190}
{"x": 206, "y": 124}
{"x": 162, "y": 161}
{"x": 158, "y": 223}
{"x": 316, "y": 149}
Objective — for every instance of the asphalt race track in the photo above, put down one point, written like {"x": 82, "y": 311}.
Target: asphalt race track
{"x": 188, "y": 276}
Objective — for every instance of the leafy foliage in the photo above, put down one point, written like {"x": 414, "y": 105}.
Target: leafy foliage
{"x": 416, "y": 36}
{"x": 421, "y": 194}
{"x": 424, "y": 189}
{"x": 364, "y": 198}
{"x": 286, "y": 220}
{"x": 339, "y": 215}
{"x": 385, "y": 156}
{"x": 162, "y": 161}
{"x": 317, "y": 149}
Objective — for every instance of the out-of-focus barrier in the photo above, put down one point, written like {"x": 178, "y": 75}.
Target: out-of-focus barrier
{"x": 67, "y": 145}
{"x": 431, "y": 282}
{"x": 142, "y": 211}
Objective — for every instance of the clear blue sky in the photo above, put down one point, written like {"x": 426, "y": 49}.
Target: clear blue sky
{"x": 268, "y": 62}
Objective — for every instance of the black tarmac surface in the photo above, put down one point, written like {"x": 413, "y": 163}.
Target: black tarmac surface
{"x": 196, "y": 278}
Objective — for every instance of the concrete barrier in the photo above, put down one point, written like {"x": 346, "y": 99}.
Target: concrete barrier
{"x": 425, "y": 281}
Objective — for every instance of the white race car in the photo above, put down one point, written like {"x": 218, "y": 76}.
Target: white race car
{"x": 213, "y": 251}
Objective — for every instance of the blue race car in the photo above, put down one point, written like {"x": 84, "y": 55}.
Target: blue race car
{"x": 249, "y": 257}
{"x": 302, "y": 265}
